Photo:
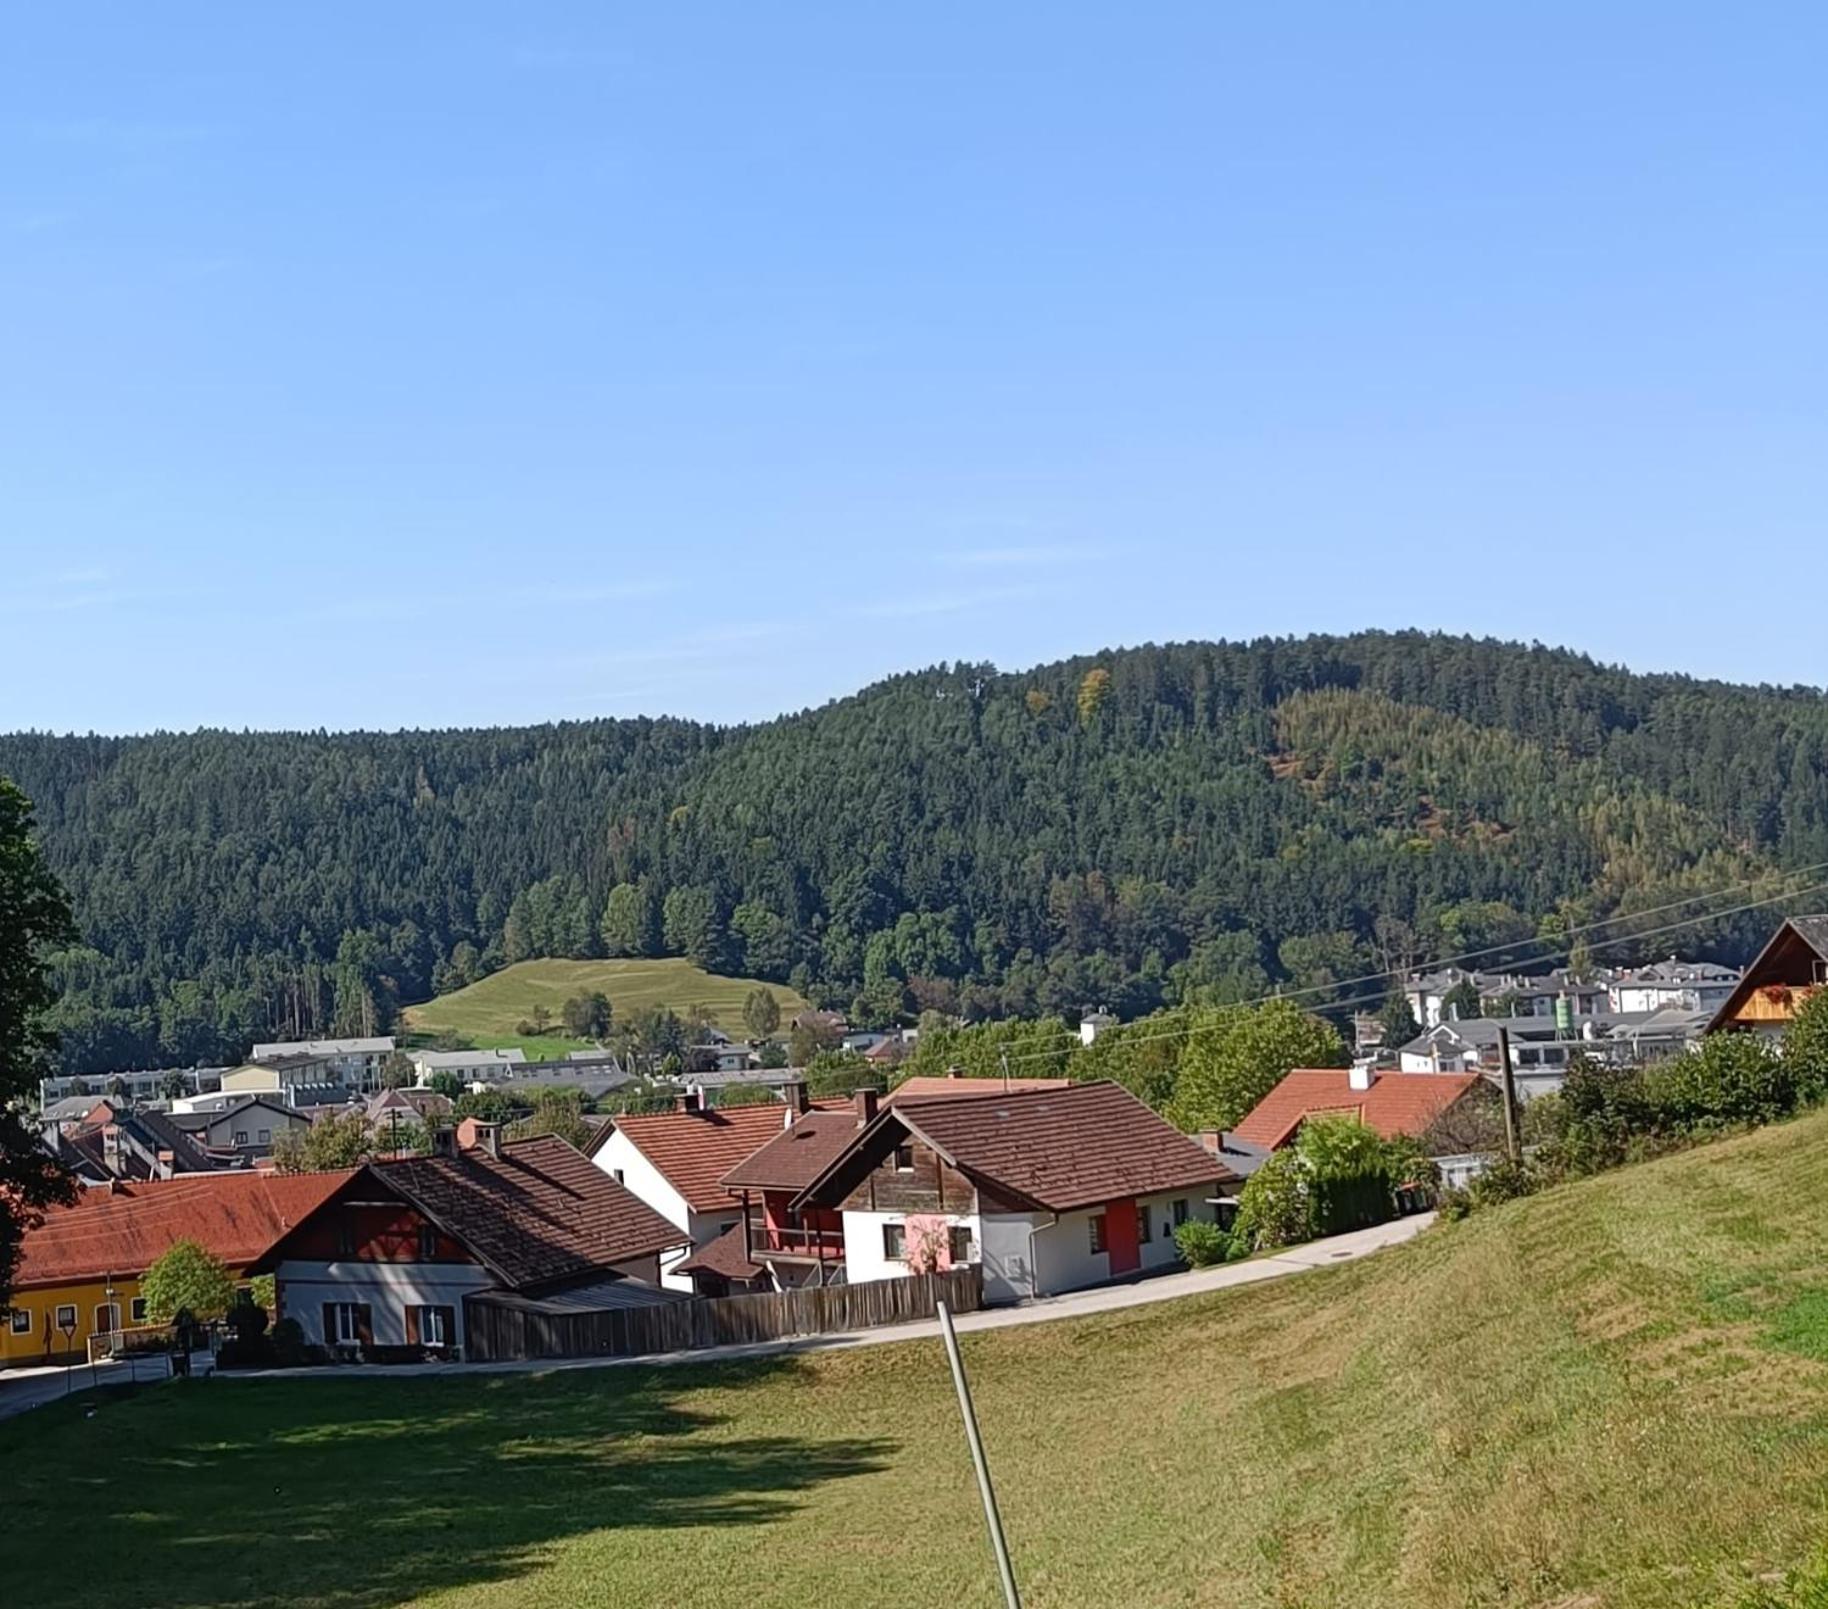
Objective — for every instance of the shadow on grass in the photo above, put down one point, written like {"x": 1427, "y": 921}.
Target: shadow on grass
{"x": 368, "y": 1492}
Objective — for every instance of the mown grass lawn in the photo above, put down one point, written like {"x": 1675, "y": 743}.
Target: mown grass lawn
{"x": 1614, "y": 1395}
{"x": 491, "y": 1010}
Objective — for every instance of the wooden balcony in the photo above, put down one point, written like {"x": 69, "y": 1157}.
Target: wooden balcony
{"x": 1774, "y": 1002}
{"x": 813, "y": 1245}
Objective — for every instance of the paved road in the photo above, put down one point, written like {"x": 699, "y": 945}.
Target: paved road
{"x": 1105, "y": 1299}
{"x": 21, "y": 1389}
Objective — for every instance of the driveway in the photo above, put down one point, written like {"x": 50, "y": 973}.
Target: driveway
{"x": 21, "y": 1389}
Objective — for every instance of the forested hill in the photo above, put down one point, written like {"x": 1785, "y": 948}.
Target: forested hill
{"x": 1126, "y": 829}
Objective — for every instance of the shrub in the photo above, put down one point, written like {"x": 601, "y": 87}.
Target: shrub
{"x": 1202, "y": 1244}
{"x": 1502, "y": 1180}
{"x": 1276, "y": 1206}
{"x": 288, "y": 1340}
{"x": 1727, "y": 1078}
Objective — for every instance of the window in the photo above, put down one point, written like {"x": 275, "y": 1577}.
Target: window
{"x": 1178, "y": 1210}
{"x": 616, "y": 1174}
{"x": 66, "y": 1315}
{"x": 345, "y": 1237}
{"x": 22, "y": 1321}
{"x": 347, "y": 1322}
{"x": 241, "y": 1136}
{"x": 428, "y": 1242}
{"x": 107, "y": 1317}
{"x": 435, "y": 1326}
{"x": 958, "y": 1244}
{"x": 138, "y": 1310}
{"x": 904, "y": 1159}
{"x": 264, "y": 1137}
{"x": 1145, "y": 1225}
{"x": 895, "y": 1242}
{"x": 1097, "y": 1228}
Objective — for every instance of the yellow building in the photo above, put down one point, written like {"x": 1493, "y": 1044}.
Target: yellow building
{"x": 80, "y": 1270}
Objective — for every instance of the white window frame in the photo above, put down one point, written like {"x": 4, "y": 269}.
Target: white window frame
{"x": 16, "y": 1326}
{"x": 1095, "y": 1227}
{"x": 899, "y": 1232}
{"x": 431, "y": 1318}
{"x": 348, "y": 1316}
{"x": 57, "y": 1317}
{"x": 136, "y": 1310}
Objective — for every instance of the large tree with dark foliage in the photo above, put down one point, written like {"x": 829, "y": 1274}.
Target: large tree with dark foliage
{"x": 33, "y": 916}
{"x": 1197, "y": 822}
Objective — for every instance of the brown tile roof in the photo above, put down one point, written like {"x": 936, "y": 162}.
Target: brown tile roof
{"x": 797, "y": 1156}
{"x": 539, "y": 1212}
{"x": 724, "y": 1255}
{"x": 1060, "y": 1148}
{"x": 694, "y": 1150}
{"x": 926, "y": 1086}
{"x": 1396, "y": 1103}
{"x": 124, "y": 1230}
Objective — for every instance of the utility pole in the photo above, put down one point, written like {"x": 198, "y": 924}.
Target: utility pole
{"x": 999, "y": 1545}
{"x": 1508, "y": 1084}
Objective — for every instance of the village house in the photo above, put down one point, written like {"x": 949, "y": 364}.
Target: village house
{"x": 242, "y": 1129}
{"x": 80, "y": 1270}
{"x": 1699, "y": 986}
{"x": 1391, "y": 1104}
{"x": 355, "y": 1062}
{"x": 1787, "y": 971}
{"x": 676, "y": 1161}
{"x": 1047, "y": 1190}
{"x": 468, "y": 1066}
{"x": 396, "y": 1259}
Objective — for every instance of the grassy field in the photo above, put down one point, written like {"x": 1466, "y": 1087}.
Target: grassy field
{"x": 490, "y": 1012}
{"x": 1613, "y": 1395}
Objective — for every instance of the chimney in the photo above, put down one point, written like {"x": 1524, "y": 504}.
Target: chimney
{"x": 444, "y": 1140}
{"x": 797, "y": 1097}
{"x": 1212, "y": 1140}
{"x": 487, "y": 1138}
{"x": 866, "y": 1105}
{"x": 691, "y": 1100}
{"x": 1363, "y": 1074}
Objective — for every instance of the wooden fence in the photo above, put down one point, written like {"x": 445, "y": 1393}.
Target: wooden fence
{"x": 496, "y": 1330}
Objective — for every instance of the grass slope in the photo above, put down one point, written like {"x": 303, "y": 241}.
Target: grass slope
{"x": 1613, "y": 1395}
{"x": 491, "y": 1011}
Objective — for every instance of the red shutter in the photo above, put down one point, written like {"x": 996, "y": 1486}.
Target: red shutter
{"x": 364, "y": 1324}
{"x": 412, "y": 1325}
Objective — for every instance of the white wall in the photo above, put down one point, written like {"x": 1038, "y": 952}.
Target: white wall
{"x": 1008, "y": 1254}
{"x": 1065, "y": 1261}
{"x": 642, "y": 1179}
{"x": 388, "y": 1288}
{"x": 1026, "y": 1254}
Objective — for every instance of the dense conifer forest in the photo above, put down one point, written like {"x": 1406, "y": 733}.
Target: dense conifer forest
{"x": 1130, "y": 829}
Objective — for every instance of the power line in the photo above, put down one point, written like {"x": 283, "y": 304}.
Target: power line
{"x": 1668, "y": 927}
{"x": 1524, "y": 944}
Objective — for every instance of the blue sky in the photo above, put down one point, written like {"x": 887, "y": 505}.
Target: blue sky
{"x": 448, "y": 364}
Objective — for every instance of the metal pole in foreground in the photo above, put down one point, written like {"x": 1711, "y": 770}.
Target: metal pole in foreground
{"x": 993, "y": 1519}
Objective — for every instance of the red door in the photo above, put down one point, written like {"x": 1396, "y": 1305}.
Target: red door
{"x": 1120, "y": 1237}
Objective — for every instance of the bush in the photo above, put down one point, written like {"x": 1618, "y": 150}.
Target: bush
{"x": 1202, "y": 1244}
{"x": 288, "y": 1342}
{"x": 1275, "y": 1207}
{"x": 1502, "y": 1180}
{"x": 1726, "y": 1079}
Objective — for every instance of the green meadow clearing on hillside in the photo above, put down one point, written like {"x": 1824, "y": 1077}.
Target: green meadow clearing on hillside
{"x": 1611, "y": 1395}
{"x": 490, "y": 1011}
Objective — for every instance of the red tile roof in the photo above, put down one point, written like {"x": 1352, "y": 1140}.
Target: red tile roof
{"x": 694, "y": 1150}
{"x": 538, "y": 1212}
{"x": 1396, "y": 1103}
{"x": 1055, "y": 1148}
{"x": 924, "y": 1086}
{"x": 123, "y": 1231}
{"x": 724, "y": 1255}
{"x": 797, "y": 1156}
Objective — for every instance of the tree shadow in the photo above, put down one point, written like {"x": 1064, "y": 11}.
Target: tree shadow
{"x": 360, "y": 1493}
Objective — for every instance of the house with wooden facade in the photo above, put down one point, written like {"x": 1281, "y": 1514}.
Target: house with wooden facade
{"x": 80, "y": 1270}
{"x": 1047, "y": 1190}
{"x": 407, "y": 1254}
{"x": 676, "y": 1162}
{"x": 1788, "y": 970}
